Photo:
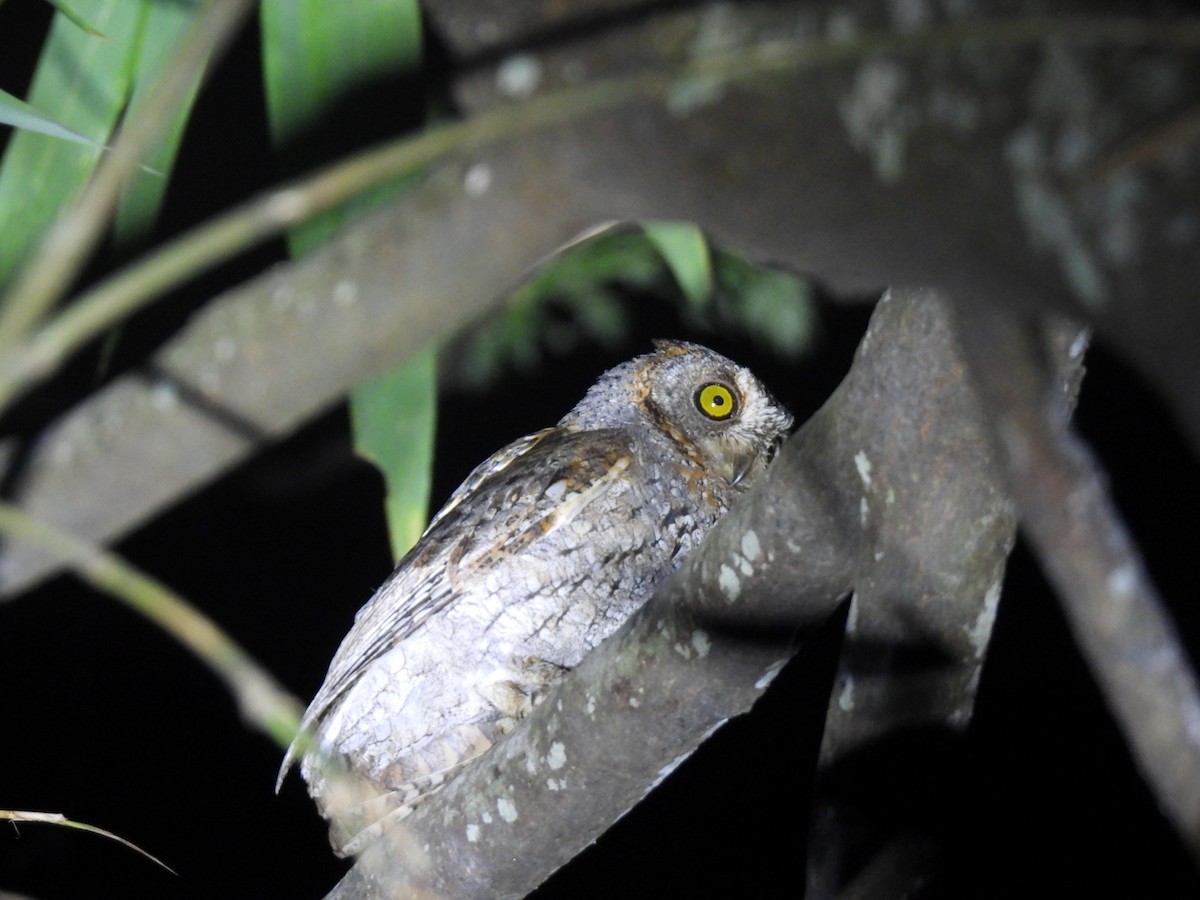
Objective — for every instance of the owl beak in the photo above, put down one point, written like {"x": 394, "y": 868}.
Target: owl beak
{"x": 738, "y": 471}
{"x": 740, "y": 465}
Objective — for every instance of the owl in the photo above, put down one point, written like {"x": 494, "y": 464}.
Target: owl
{"x": 544, "y": 550}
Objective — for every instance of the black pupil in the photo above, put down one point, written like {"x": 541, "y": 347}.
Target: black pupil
{"x": 718, "y": 401}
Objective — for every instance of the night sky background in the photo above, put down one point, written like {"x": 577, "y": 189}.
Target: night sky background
{"x": 104, "y": 718}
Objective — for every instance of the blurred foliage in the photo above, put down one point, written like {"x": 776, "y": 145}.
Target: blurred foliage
{"x": 584, "y": 293}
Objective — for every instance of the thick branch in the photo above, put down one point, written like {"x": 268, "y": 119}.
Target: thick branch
{"x": 851, "y": 501}
{"x": 935, "y": 168}
{"x": 1116, "y": 614}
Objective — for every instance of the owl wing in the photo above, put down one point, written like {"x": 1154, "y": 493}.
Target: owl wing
{"x": 523, "y": 492}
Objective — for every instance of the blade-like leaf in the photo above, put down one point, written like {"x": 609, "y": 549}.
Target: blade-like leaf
{"x": 685, "y": 251}
{"x": 393, "y": 418}
{"x": 83, "y": 83}
{"x": 19, "y": 114}
{"x": 21, "y": 815}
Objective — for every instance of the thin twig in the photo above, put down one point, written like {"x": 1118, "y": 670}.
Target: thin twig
{"x": 262, "y": 702}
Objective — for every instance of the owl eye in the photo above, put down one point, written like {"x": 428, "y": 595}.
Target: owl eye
{"x": 716, "y": 401}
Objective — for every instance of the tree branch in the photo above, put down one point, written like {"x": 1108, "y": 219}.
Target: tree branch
{"x": 900, "y": 433}
{"x": 1117, "y": 616}
{"x": 879, "y": 198}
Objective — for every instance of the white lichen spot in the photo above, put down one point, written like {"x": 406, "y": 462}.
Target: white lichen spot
{"x": 345, "y": 292}
{"x": 1122, "y": 582}
{"x": 864, "y": 511}
{"x": 472, "y": 833}
{"x": 701, "y": 642}
{"x": 845, "y": 698}
{"x": 743, "y": 564}
{"x": 751, "y": 549}
{"x": 519, "y": 76}
{"x": 765, "y": 679}
{"x": 666, "y": 770}
{"x": 852, "y": 615}
{"x": 557, "y": 757}
{"x": 635, "y": 702}
{"x": 1080, "y": 343}
{"x": 891, "y": 497}
{"x": 507, "y": 810}
{"x": 559, "y": 706}
{"x": 728, "y": 582}
{"x": 973, "y": 680}
{"x": 477, "y": 180}
{"x": 530, "y": 765}
{"x": 1049, "y": 217}
{"x": 683, "y": 650}
{"x": 554, "y": 784}
{"x": 590, "y": 707}
{"x": 876, "y": 119}
{"x": 878, "y": 555}
{"x": 164, "y": 396}
{"x": 863, "y": 463}
{"x": 981, "y": 631}
{"x": 225, "y": 349}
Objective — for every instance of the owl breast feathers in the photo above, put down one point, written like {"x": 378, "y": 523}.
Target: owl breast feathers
{"x": 544, "y": 550}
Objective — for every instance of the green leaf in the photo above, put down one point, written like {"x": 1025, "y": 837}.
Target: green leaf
{"x": 316, "y": 52}
{"x": 393, "y": 418}
{"x": 19, "y": 114}
{"x": 162, "y": 30}
{"x": 685, "y": 251}
{"x": 81, "y": 82}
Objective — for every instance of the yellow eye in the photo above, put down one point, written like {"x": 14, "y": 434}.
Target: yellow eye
{"x": 716, "y": 401}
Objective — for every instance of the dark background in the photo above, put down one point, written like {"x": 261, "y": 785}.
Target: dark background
{"x": 107, "y": 720}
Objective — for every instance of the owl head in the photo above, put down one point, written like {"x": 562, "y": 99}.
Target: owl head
{"x": 715, "y": 412}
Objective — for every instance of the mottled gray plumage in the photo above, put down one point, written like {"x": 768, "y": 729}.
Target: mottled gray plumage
{"x": 544, "y": 550}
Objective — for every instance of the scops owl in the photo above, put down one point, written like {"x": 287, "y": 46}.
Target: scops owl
{"x": 543, "y": 551}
